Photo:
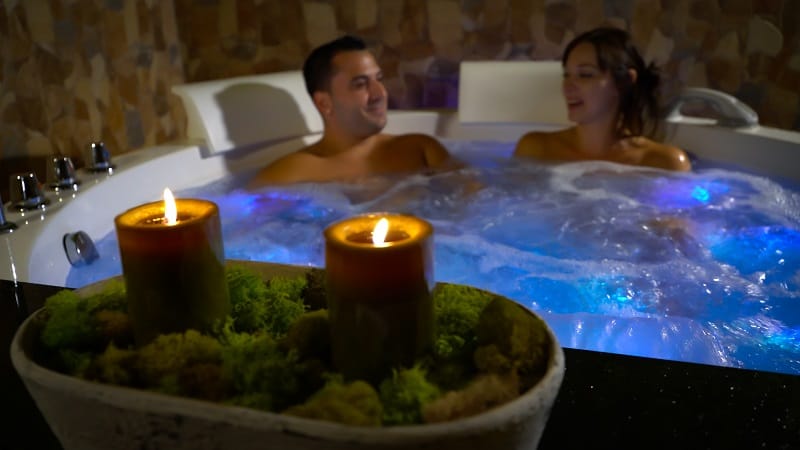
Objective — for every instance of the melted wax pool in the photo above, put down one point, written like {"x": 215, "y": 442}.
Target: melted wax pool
{"x": 700, "y": 267}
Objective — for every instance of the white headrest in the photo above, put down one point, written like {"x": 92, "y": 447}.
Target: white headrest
{"x": 511, "y": 92}
{"x": 250, "y": 110}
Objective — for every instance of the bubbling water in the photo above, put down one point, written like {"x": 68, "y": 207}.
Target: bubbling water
{"x": 700, "y": 267}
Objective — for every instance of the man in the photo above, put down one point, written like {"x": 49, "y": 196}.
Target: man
{"x": 345, "y": 84}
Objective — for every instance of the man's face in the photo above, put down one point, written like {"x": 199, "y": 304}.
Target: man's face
{"x": 357, "y": 97}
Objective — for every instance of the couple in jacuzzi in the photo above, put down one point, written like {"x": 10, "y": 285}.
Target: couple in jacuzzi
{"x": 610, "y": 94}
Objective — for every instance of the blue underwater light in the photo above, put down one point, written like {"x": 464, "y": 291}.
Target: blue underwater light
{"x": 701, "y": 194}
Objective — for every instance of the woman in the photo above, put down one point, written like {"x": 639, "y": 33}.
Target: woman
{"x": 611, "y": 97}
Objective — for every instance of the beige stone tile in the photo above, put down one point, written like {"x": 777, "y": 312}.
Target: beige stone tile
{"x": 494, "y": 14}
{"x": 763, "y": 37}
{"x": 320, "y": 22}
{"x": 444, "y": 18}
{"x": 366, "y": 14}
{"x": 228, "y": 18}
{"x": 56, "y": 101}
{"x": 39, "y": 19}
{"x": 728, "y": 47}
{"x": 659, "y": 49}
{"x": 390, "y": 15}
{"x": 37, "y": 145}
{"x": 780, "y": 106}
{"x": 99, "y": 78}
{"x": 130, "y": 17}
{"x": 590, "y": 15}
{"x": 168, "y": 24}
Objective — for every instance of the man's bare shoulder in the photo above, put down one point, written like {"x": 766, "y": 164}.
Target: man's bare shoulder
{"x": 295, "y": 167}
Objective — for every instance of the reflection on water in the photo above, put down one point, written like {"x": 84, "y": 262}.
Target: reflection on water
{"x": 701, "y": 267}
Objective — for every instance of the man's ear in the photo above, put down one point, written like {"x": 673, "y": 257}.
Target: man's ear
{"x": 633, "y": 75}
{"x": 322, "y": 100}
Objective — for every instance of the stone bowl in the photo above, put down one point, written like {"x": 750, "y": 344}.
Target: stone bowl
{"x": 86, "y": 415}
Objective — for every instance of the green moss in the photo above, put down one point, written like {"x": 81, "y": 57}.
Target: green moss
{"x": 310, "y": 336}
{"x": 247, "y": 292}
{"x": 404, "y": 394}
{"x": 255, "y": 364}
{"x": 355, "y": 403}
{"x": 256, "y": 305}
{"x": 285, "y": 303}
{"x": 114, "y": 366}
{"x": 71, "y": 322}
{"x": 457, "y": 310}
{"x": 168, "y": 354}
{"x": 271, "y": 354}
{"x": 511, "y": 339}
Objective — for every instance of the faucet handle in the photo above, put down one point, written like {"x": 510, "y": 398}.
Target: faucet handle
{"x": 99, "y": 158}
{"x": 5, "y": 225}
{"x": 25, "y": 192}
{"x": 80, "y": 248}
{"x": 61, "y": 174}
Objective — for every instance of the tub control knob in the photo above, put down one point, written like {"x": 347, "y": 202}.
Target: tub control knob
{"x": 99, "y": 159}
{"x": 80, "y": 248}
{"x": 5, "y": 226}
{"x": 61, "y": 174}
{"x": 25, "y": 192}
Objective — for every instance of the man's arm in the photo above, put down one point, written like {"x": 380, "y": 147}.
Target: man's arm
{"x": 436, "y": 155}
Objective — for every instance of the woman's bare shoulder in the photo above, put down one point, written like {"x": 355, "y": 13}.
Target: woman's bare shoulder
{"x": 540, "y": 144}
{"x": 643, "y": 151}
{"x": 668, "y": 157}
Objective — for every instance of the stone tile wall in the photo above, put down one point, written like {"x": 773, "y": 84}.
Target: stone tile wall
{"x": 77, "y": 71}
{"x": 81, "y": 70}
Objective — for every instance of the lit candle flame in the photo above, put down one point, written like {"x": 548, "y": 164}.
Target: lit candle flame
{"x": 170, "y": 209}
{"x": 379, "y": 232}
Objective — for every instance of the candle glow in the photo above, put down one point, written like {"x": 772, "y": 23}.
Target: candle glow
{"x": 379, "y": 232}
{"x": 379, "y": 276}
{"x": 173, "y": 263}
{"x": 170, "y": 209}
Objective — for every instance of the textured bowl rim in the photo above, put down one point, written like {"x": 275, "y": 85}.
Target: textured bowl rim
{"x": 536, "y": 399}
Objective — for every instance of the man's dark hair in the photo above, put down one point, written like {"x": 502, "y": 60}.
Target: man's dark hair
{"x": 318, "y": 69}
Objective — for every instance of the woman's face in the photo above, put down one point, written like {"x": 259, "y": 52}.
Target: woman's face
{"x": 590, "y": 93}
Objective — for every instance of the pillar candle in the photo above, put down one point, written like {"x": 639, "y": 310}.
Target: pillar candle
{"x": 379, "y": 294}
{"x": 174, "y": 272}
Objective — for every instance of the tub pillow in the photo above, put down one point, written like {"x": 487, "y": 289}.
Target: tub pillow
{"x": 511, "y": 92}
{"x": 248, "y": 111}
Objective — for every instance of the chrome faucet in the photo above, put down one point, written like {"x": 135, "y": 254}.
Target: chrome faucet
{"x": 5, "y": 225}
{"x": 61, "y": 174}
{"x": 25, "y": 192}
{"x": 80, "y": 248}
{"x": 99, "y": 158}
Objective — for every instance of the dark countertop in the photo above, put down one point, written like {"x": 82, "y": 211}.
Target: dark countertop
{"x": 606, "y": 400}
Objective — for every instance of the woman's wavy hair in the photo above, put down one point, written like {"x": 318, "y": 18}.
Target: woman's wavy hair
{"x": 638, "y": 101}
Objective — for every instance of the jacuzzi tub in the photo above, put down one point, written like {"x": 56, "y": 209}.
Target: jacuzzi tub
{"x": 225, "y": 139}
